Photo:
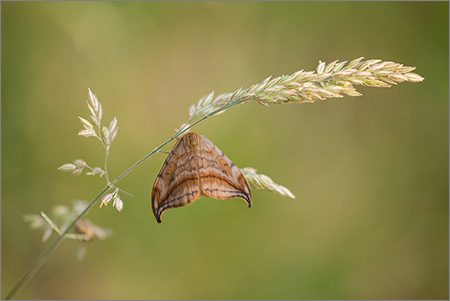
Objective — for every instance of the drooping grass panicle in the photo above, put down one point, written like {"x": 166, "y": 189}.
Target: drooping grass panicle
{"x": 261, "y": 181}
{"x": 328, "y": 81}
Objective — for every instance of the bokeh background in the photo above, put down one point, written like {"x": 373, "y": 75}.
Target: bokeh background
{"x": 370, "y": 173}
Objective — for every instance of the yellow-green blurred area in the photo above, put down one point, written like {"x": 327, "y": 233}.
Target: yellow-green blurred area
{"x": 370, "y": 174}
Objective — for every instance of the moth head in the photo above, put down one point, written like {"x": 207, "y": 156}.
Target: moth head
{"x": 191, "y": 140}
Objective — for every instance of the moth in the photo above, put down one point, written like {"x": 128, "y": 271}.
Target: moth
{"x": 194, "y": 168}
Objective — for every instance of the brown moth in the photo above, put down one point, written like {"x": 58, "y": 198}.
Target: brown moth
{"x": 194, "y": 168}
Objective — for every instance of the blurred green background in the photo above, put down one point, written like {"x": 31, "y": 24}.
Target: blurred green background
{"x": 370, "y": 173}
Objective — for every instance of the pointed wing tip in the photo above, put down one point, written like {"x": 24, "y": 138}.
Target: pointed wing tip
{"x": 249, "y": 202}
{"x": 158, "y": 216}
{"x": 158, "y": 219}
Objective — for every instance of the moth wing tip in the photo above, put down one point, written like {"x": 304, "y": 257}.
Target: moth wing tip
{"x": 249, "y": 202}
{"x": 158, "y": 216}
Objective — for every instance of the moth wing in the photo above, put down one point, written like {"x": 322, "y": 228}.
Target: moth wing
{"x": 177, "y": 183}
{"x": 220, "y": 178}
